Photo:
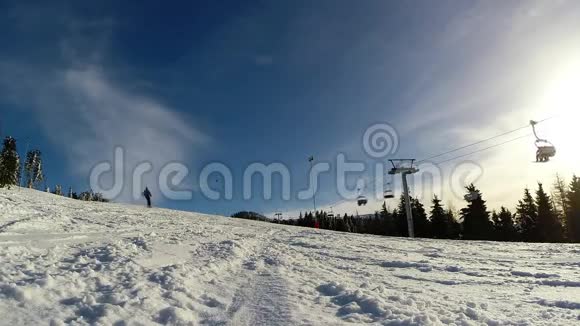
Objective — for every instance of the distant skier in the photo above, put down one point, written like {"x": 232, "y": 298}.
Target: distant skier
{"x": 148, "y": 196}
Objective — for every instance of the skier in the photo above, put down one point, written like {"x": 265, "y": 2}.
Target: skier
{"x": 148, "y": 196}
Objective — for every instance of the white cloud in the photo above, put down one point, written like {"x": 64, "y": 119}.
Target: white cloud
{"x": 89, "y": 115}
{"x": 110, "y": 116}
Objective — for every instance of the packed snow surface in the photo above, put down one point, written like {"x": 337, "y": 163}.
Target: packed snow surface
{"x": 64, "y": 261}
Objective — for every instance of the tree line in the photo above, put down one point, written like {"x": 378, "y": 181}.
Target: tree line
{"x": 539, "y": 217}
{"x": 12, "y": 171}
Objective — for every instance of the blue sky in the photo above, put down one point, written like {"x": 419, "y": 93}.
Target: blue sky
{"x": 277, "y": 81}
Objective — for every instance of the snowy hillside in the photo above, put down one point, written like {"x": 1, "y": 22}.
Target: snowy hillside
{"x": 66, "y": 261}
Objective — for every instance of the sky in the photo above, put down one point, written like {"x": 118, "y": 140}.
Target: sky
{"x": 238, "y": 83}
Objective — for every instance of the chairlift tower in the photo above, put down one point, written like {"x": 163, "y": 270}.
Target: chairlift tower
{"x": 405, "y": 167}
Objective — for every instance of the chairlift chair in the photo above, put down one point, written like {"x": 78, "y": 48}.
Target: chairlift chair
{"x": 471, "y": 196}
{"x": 388, "y": 191}
{"x": 331, "y": 214}
{"x": 545, "y": 149}
{"x": 361, "y": 200}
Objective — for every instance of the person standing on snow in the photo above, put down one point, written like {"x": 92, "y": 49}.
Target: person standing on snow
{"x": 148, "y": 196}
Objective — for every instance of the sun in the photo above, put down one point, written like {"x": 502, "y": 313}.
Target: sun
{"x": 561, "y": 100}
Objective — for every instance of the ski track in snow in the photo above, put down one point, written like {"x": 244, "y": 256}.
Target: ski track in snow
{"x": 64, "y": 261}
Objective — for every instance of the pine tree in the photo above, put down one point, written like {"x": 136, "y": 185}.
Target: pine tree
{"x": 309, "y": 220}
{"x": 33, "y": 168}
{"x": 341, "y": 225}
{"x": 400, "y": 216}
{"x": 98, "y": 197}
{"x": 573, "y": 212}
{"x": 86, "y": 196}
{"x": 504, "y": 226}
{"x": 421, "y": 223}
{"x": 476, "y": 223}
{"x": 375, "y": 225}
{"x": 389, "y": 226}
{"x": 28, "y": 164}
{"x": 549, "y": 227}
{"x": 454, "y": 227}
{"x": 9, "y": 164}
{"x": 439, "y": 220}
{"x": 527, "y": 217}
{"x": 349, "y": 223}
{"x": 560, "y": 198}
{"x": 331, "y": 222}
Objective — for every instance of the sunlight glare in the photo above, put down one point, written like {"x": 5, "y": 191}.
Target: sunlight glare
{"x": 562, "y": 100}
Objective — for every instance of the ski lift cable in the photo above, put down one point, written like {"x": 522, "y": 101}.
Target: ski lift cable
{"x": 485, "y": 149}
{"x": 471, "y": 153}
{"x": 482, "y": 141}
{"x": 471, "y": 145}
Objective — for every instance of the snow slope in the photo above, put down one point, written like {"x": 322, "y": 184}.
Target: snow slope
{"x": 64, "y": 261}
